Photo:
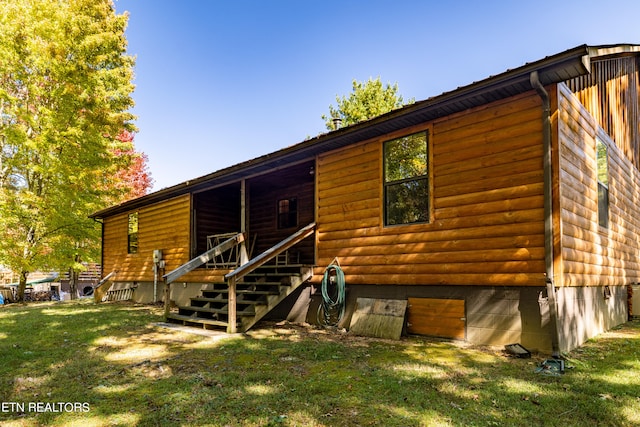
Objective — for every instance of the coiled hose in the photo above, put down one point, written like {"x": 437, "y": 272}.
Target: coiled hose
{"x": 333, "y": 297}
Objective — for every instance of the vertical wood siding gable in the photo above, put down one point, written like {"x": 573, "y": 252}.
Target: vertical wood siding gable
{"x": 611, "y": 94}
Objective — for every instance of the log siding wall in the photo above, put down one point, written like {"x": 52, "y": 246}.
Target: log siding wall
{"x": 264, "y": 193}
{"x": 594, "y": 255}
{"x": 216, "y": 211}
{"x": 163, "y": 225}
{"x": 487, "y": 223}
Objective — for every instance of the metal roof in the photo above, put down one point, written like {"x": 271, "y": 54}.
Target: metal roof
{"x": 552, "y": 69}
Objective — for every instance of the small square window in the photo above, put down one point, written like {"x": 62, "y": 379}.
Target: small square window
{"x": 288, "y": 213}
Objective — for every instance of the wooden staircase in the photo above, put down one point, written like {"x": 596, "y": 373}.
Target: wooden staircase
{"x": 255, "y": 286}
{"x": 257, "y": 293}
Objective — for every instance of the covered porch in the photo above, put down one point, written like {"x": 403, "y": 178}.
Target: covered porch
{"x": 257, "y": 233}
{"x": 265, "y": 208}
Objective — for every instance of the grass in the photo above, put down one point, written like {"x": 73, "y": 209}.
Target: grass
{"x": 110, "y": 365}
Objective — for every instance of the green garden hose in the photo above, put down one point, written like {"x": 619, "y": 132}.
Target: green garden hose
{"x": 333, "y": 297}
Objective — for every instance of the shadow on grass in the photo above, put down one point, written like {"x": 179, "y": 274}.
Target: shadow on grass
{"x": 130, "y": 372}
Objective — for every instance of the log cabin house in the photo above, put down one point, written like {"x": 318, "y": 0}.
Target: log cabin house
{"x": 505, "y": 211}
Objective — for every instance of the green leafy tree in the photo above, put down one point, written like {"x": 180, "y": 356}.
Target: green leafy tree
{"x": 366, "y": 101}
{"x": 65, "y": 96}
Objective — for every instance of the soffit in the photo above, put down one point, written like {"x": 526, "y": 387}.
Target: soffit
{"x": 553, "y": 69}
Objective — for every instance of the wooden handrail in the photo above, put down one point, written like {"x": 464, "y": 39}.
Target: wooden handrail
{"x": 174, "y": 275}
{"x": 105, "y": 278}
{"x": 98, "y": 293}
{"x": 272, "y": 252}
{"x": 256, "y": 262}
{"x": 196, "y": 262}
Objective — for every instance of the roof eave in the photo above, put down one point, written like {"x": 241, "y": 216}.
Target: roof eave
{"x": 553, "y": 69}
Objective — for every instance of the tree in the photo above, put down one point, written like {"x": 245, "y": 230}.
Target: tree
{"x": 134, "y": 180}
{"x": 65, "y": 95}
{"x": 368, "y": 100}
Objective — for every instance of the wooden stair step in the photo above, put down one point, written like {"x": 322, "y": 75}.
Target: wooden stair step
{"x": 247, "y": 292}
{"x": 191, "y": 319}
{"x": 206, "y": 299}
{"x": 244, "y": 283}
{"x": 250, "y": 301}
{"x": 217, "y": 300}
{"x": 271, "y": 266}
{"x": 257, "y": 293}
{"x": 247, "y": 287}
{"x": 279, "y": 269}
{"x": 215, "y": 310}
{"x": 264, "y": 274}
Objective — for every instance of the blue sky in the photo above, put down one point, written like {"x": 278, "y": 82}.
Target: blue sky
{"x": 221, "y": 82}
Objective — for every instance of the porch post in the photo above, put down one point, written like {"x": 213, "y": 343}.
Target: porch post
{"x": 244, "y": 257}
{"x": 231, "y": 325}
{"x": 243, "y": 206}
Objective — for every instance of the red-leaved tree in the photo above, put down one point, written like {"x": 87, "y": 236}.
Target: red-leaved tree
{"x": 134, "y": 180}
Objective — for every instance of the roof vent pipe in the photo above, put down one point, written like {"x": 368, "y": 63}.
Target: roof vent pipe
{"x": 337, "y": 123}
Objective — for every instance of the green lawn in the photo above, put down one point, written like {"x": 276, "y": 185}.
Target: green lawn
{"x": 81, "y": 364}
